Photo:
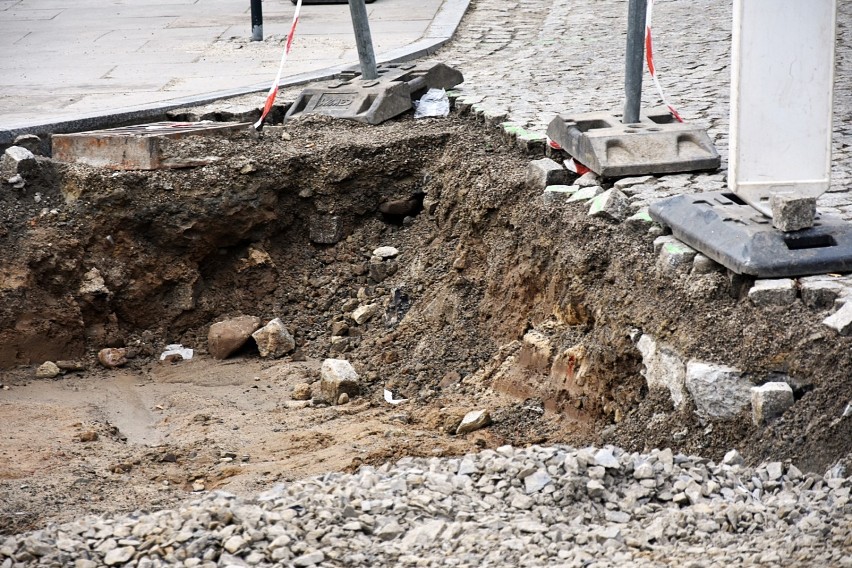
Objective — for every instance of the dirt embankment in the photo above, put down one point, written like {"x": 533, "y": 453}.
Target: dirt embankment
{"x": 492, "y": 290}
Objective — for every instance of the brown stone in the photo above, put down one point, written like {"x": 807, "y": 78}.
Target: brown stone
{"x": 450, "y": 379}
{"x": 274, "y": 340}
{"x": 225, "y": 337}
{"x": 113, "y": 357}
{"x": 90, "y": 436}
{"x": 47, "y": 370}
{"x": 399, "y": 207}
{"x": 302, "y": 391}
{"x": 71, "y": 365}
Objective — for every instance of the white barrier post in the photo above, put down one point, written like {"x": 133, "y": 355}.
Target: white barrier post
{"x": 782, "y": 83}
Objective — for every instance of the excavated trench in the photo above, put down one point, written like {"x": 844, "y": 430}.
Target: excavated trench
{"x": 492, "y": 290}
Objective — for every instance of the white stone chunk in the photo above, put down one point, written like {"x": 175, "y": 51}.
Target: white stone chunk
{"x": 386, "y": 252}
{"x": 769, "y": 401}
{"x": 774, "y": 292}
{"x": 841, "y": 320}
{"x": 337, "y": 376}
{"x": 718, "y": 391}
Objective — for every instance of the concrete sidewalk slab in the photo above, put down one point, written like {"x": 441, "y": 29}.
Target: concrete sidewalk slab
{"x": 82, "y": 64}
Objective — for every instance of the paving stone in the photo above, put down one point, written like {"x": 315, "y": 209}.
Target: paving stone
{"x": 841, "y": 320}
{"x": 769, "y": 401}
{"x": 32, "y": 143}
{"x": 675, "y": 257}
{"x": 588, "y": 179}
{"x": 544, "y": 172}
{"x": 774, "y": 292}
{"x": 820, "y": 292}
{"x": 663, "y": 240}
{"x": 705, "y": 265}
{"x": 639, "y": 221}
{"x": 554, "y": 194}
{"x": 718, "y": 391}
{"x": 631, "y": 181}
{"x": 585, "y": 193}
{"x": 792, "y": 212}
{"x": 611, "y": 204}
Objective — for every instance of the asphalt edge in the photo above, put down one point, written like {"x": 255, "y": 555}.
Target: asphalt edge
{"x": 439, "y": 32}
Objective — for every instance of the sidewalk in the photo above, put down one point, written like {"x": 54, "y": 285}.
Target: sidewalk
{"x": 66, "y": 60}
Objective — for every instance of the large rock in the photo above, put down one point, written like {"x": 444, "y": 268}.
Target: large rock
{"x": 225, "y": 337}
{"x": 274, "y": 340}
{"x": 664, "y": 369}
{"x": 718, "y": 391}
{"x": 337, "y": 376}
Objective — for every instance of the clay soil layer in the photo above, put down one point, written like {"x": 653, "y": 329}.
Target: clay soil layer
{"x": 283, "y": 225}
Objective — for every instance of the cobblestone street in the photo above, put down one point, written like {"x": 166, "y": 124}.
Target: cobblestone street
{"x": 534, "y": 59}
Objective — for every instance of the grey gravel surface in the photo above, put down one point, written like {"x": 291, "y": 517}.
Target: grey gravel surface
{"x": 541, "y": 506}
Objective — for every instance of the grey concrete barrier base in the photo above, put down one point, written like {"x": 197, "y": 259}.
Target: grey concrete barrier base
{"x": 375, "y": 101}
{"x": 723, "y": 227}
{"x": 657, "y": 144}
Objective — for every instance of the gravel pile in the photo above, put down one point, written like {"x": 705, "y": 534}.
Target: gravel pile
{"x": 541, "y": 506}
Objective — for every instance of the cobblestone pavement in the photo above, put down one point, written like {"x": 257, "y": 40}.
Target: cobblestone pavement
{"x": 534, "y": 59}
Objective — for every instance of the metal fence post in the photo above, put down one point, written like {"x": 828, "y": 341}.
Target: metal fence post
{"x": 256, "y": 20}
{"x": 363, "y": 39}
{"x": 634, "y": 60}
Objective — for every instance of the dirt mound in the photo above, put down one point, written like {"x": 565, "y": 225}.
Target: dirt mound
{"x": 490, "y": 291}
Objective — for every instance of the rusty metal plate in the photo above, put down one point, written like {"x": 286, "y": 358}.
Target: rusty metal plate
{"x": 133, "y": 147}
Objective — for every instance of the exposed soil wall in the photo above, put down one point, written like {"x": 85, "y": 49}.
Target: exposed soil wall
{"x": 492, "y": 289}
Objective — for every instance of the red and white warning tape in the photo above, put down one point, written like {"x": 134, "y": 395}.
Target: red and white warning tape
{"x": 273, "y": 91}
{"x": 649, "y": 55}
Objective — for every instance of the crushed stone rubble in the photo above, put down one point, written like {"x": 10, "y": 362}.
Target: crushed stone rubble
{"x": 540, "y": 506}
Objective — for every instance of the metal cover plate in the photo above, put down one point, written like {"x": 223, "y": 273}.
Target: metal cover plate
{"x": 374, "y": 101}
{"x": 725, "y": 228}
{"x": 657, "y": 144}
{"x": 131, "y": 147}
